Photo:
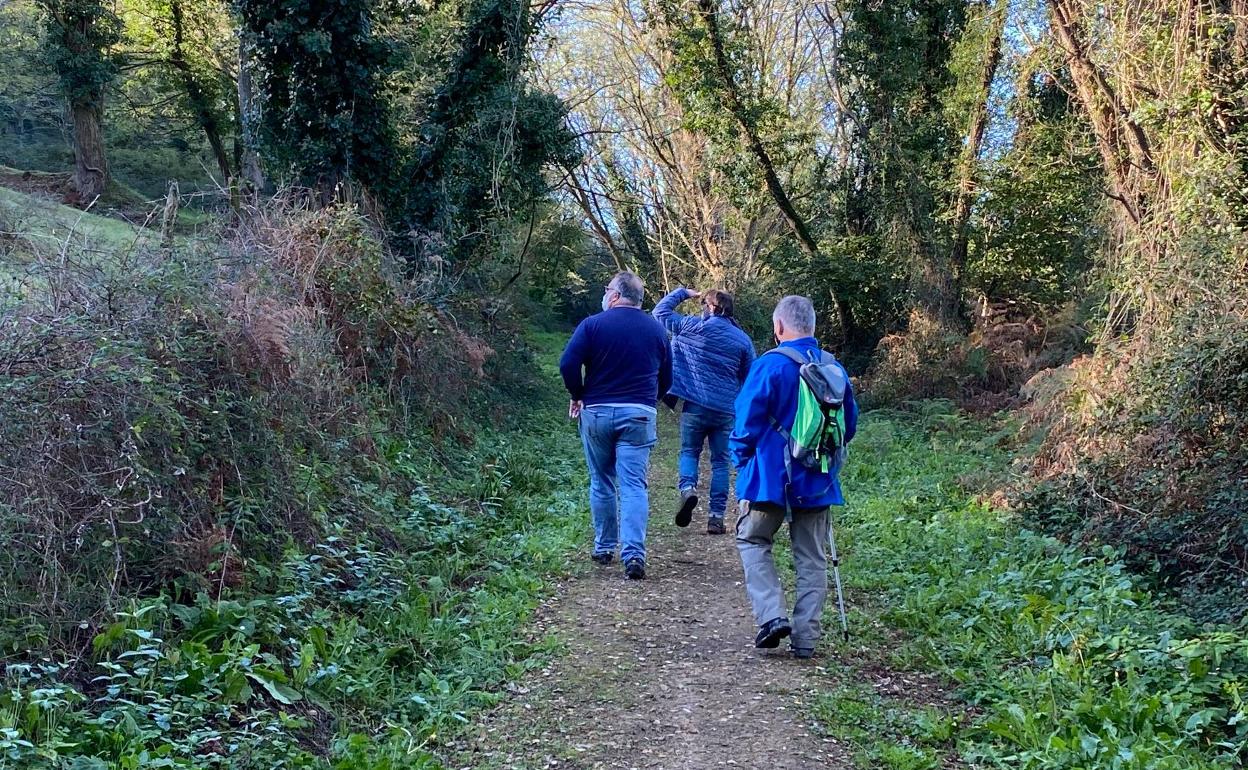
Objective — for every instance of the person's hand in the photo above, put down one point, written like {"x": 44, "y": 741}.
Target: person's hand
{"x": 693, "y": 294}
{"x": 574, "y": 409}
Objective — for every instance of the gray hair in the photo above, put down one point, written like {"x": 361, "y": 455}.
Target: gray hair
{"x": 796, "y": 313}
{"x": 630, "y": 287}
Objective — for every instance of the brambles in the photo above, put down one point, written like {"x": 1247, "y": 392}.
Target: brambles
{"x": 230, "y": 530}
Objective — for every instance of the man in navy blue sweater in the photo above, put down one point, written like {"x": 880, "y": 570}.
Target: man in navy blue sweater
{"x": 616, "y": 367}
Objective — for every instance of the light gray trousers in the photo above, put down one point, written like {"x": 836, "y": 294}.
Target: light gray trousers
{"x": 756, "y": 533}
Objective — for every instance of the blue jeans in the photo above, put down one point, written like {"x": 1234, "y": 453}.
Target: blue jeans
{"x": 617, "y": 443}
{"x": 697, "y": 425}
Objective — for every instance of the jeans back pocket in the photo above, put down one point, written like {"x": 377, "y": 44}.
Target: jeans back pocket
{"x": 639, "y": 430}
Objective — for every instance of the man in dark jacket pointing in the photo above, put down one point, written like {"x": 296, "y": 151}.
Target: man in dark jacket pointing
{"x": 710, "y": 358}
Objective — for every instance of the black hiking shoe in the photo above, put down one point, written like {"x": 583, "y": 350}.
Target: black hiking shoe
{"x": 802, "y": 653}
{"x": 715, "y": 526}
{"x": 771, "y": 633}
{"x": 688, "y": 501}
{"x": 635, "y": 569}
{"x": 603, "y": 559}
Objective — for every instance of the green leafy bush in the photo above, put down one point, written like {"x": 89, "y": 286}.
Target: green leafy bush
{"x": 1068, "y": 661}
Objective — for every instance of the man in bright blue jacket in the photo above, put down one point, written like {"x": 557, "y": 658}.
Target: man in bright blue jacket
{"x": 710, "y": 358}
{"x": 769, "y": 489}
{"x": 616, "y": 367}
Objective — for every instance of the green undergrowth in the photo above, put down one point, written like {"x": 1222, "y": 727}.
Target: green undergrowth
{"x": 374, "y": 644}
{"x": 1060, "y": 656}
{"x": 886, "y": 733}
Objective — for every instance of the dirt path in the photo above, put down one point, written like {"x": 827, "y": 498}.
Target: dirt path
{"x": 660, "y": 673}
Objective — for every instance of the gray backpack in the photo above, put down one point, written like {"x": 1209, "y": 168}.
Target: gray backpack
{"x": 817, "y": 438}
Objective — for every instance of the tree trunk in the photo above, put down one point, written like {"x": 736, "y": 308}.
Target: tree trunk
{"x": 853, "y": 335}
{"x": 249, "y": 162}
{"x": 974, "y": 141}
{"x": 218, "y": 152}
{"x": 936, "y": 295}
{"x": 197, "y": 95}
{"x": 1239, "y": 13}
{"x": 1123, "y": 146}
{"x": 90, "y": 164}
{"x": 738, "y": 110}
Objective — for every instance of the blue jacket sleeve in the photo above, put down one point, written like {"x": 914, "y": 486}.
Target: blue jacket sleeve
{"x": 753, "y": 406}
{"x": 573, "y": 358}
{"x": 665, "y": 312}
{"x": 747, "y": 359}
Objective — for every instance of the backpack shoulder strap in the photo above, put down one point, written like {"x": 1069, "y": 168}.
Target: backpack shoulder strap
{"x": 790, "y": 354}
{"x": 800, "y": 360}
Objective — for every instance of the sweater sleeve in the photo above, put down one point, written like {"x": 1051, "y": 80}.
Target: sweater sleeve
{"x": 573, "y": 359}
{"x": 665, "y": 369}
{"x": 665, "y": 312}
{"x": 752, "y": 407}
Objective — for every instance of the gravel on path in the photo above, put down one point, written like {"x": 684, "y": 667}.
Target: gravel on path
{"x": 660, "y": 673}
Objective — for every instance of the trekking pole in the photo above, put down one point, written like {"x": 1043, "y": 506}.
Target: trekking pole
{"x": 836, "y": 577}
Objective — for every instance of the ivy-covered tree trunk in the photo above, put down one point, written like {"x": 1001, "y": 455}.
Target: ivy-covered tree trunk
{"x": 486, "y": 136}
{"x": 247, "y": 149}
{"x": 319, "y": 68}
{"x": 79, "y": 36}
{"x": 975, "y": 140}
{"x": 937, "y": 294}
{"x": 198, "y": 95}
{"x": 90, "y": 162}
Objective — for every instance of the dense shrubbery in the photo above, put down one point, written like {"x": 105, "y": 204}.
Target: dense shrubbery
{"x": 161, "y": 404}
{"x": 983, "y": 370}
{"x": 1150, "y": 454}
{"x": 226, "y": 517}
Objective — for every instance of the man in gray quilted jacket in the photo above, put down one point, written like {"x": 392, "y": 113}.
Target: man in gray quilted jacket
{"x": 711, "y": 356}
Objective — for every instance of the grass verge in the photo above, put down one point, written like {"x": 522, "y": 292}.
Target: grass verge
{"x": 1060, "y": 658}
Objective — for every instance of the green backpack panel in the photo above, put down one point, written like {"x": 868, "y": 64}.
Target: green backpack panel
{"x": 818, "y": 433}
